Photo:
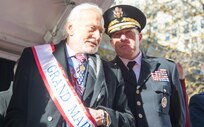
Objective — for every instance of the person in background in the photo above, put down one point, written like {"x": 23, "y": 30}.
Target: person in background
{"x": 5, "y": 97}
{"x": 185, "y": 95}
{"x": 151, "y": 84}
{"x": 196, "y": 109}
{"x": 67, "y": 84}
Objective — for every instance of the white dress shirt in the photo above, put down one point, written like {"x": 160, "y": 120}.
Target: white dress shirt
{"x": 137, "y": 66}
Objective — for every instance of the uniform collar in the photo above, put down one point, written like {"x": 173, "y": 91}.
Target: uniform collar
{"x": 138, "y": 59}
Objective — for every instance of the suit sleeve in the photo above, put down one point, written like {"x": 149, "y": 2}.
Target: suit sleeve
{"x": 177, "y": 107}
{"x": 120, "y": 114}
{"x": 196, "y": 109}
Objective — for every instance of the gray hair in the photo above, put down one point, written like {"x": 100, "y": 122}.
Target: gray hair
{"x": 76, "y": 11}
{"x": 75, "y": 14}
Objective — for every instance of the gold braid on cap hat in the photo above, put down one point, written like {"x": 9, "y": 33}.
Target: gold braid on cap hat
{"x": 120, "y": 20}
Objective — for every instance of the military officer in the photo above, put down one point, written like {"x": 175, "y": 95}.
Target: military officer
{"x": 151, "y": 84}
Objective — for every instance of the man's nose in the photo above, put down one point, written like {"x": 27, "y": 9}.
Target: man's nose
{"x": 97, "y": 34}
{"x": 123, "y": 37}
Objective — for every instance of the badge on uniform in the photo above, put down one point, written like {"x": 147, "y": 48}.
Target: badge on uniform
{"x": 164, "y": 102}
{"x": 160, "y": 75}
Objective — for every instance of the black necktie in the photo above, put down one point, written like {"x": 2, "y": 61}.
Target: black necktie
{"x": 132, "y": 73}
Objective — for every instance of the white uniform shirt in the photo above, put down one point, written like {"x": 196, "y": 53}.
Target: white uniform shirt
{"x": 137, "y": 66}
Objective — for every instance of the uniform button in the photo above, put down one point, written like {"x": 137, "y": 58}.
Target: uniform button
{"x": 138, "y": 103}
{"x": 140, "y": 115}
{"x": 164, "y": 90}
{"x": 137, "y": 92}
{"x": 49, "y": 118}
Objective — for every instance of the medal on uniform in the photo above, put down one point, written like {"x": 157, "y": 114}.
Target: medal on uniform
{"x": 164, "y": 102}
{"x": 160, "y": 75}
{"x": 137, "y": 91}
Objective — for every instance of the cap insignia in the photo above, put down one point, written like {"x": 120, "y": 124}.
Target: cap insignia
{"x": 118, "y": 12}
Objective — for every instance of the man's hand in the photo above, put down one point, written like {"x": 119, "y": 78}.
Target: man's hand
{"x": 98, "y": 115}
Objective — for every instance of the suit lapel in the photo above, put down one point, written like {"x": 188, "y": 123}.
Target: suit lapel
{"x": 95, "y": 79}
{"x": 60, "y": 55}
{"x": 90, "y": 80}
{"x": 147, "y": 67}
{"x": 124, "y": 70}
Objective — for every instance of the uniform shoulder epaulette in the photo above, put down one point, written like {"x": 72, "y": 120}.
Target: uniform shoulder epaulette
{"x": 151, "y": 57}
{"x": 171, "y": 60}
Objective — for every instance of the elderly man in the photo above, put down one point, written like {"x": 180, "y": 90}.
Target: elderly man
{"x": 68, "y": 84}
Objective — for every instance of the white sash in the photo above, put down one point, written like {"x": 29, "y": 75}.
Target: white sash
{"x": 60, "y": 88}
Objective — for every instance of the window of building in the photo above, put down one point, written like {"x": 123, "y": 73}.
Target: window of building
{"x": 167, "y": 37}
{"x": 186, "y": 29}
{"x": 174, "y": 32}
{"x": 194, "y": 26}
{"x": 194, "y": 39}
{"x": 202, "y": 23}
{"x": 186, "y": 43}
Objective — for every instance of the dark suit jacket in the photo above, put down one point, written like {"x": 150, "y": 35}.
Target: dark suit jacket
{"x": 196, "y": 109}
{"x": 146, "y": 106}
{"x": 31, "y": 105}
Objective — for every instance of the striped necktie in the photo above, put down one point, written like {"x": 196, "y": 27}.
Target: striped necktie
{"x": 80, "y": 73}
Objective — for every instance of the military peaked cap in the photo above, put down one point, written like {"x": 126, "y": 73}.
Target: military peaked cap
{"x": 122, "y": 17}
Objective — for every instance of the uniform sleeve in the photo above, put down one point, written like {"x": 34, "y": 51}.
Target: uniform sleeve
{"x": 177, "y": 107}
{"x": 120, "y": 114}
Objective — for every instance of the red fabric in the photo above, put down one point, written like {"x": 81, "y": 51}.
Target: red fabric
{"x": 186, "y": 102}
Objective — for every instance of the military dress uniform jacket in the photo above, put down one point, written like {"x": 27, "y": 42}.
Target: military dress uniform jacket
{"x": 153, "y": 102}
{"x": 196, "y": 109}
{"x": 32, "y": 106}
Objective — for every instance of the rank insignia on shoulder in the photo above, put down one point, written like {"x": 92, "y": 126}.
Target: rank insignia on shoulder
{"x": 160, "y": 75}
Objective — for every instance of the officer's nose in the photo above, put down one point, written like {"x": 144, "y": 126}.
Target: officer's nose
{"x": 123, "y": 37}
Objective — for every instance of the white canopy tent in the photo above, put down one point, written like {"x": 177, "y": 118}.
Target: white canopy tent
{"x": 26, "y": 23}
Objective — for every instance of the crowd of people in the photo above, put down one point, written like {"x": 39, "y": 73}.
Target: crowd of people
{"x": 68, "y": 84}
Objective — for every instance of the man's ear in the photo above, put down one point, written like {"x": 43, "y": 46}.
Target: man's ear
{"x": 140, "y": 37}
{"x": 69, "y": 28}
{"x": 111, "y": 42}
